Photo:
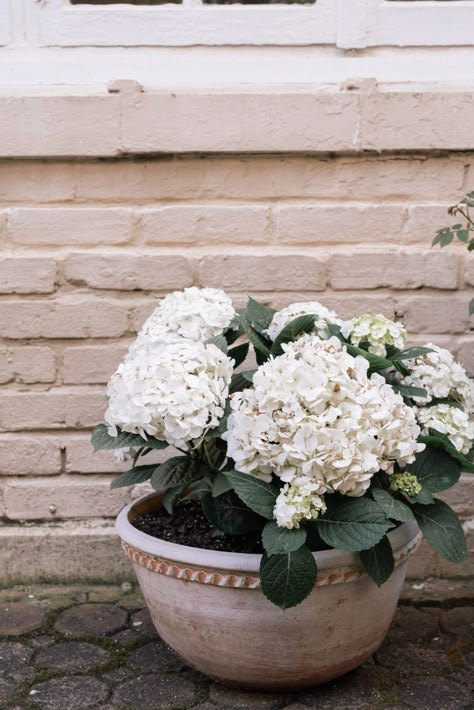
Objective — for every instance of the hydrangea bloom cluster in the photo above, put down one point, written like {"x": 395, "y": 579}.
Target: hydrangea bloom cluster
{"x": 452, "y": 421}
{"x": 377, "y": 331}
{"x": 405, "y": 483}
{"x": 297, "y": 503}
{"x": 283, "y": 317}
{"x": 195, "y": 313}
{"x": 175, "y": 393}
{"x": 314, "y": 417}
{"x": 442, "y": 377}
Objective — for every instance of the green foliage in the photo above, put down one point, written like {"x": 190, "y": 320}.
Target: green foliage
{"x": 261, "y": 344}
{"x": 354, "y": 525}
{"x": 393, "y": 508}
{"x": 220, "y": 485}
{"x": 435, "y": 469}
{"x": 220, "y": 342}
{"x": 171, "y": 497}
{"x": 240, "y": 381}
{"x": 133, "y": 476}
{"x": 378, "y": 561}
{"x": 376, "y": 362}
{"x": 437, "y": 440}
{"x": 442, "y": 529}
{"x": 174, "y": 472}
{"x": 258, "y": 495}
{"x": 297, "y": 326}
{"x": 288, "y": 579}
{"x": 101, "y": 440}
{"x": 280, "y": 541}
{"x": 259, "y": 315}
{"x": 228, "y": 514}
{"x": 239, "y": 353}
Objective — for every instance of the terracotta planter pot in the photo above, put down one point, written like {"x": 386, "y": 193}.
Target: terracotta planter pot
{"x": 208, "y": 607}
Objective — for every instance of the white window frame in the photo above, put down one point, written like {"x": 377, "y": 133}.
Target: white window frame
{"x": 5, "y": 23}
{"x": 348, "y": 24}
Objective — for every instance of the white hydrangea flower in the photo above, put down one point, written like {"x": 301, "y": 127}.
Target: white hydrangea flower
{"x": 442, "y": 377}
{"x": 452, "y": 421}
{"x": 283, "y": 317}
{"x": 195, "y": 313}
{"x": 314, "y": 416}
{"x": 377, "y": 330}
{"x": 297, "y": 503}
{"x": 175, "y": 393}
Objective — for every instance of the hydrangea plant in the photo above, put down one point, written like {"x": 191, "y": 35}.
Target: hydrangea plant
{"x": 339, "y": 435}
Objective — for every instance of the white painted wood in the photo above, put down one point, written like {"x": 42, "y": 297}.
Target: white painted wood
{"x": 172, "y": 25}
{"x": 423, "y": 23}
{"x": 4, "y": 22}
{"x": 354, "y": 23}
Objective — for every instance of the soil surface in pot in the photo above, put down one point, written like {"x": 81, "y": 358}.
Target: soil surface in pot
{"x": 189, "y": 526}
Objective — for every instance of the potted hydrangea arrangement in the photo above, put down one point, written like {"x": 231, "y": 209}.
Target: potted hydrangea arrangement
{"x": 273, "y": 550}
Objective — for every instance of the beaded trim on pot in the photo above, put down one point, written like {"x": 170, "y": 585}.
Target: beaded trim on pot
{"x": 220, "y": 578}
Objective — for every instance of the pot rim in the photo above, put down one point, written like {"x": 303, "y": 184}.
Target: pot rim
{"x": 404, "y": 541}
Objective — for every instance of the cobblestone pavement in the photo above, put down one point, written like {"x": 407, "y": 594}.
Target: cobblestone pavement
{"x": 68, "y": 648}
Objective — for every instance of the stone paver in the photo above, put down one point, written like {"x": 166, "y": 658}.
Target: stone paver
{"x": 419, "y": 692}
{"x": 74, "y": 693}
{"x": 72, "y": 656}
{"x": 98, "y": 655}
{"x": 17, "y": 618}
{"x": 154, "y": 692}
{"x": 91, "y": 620}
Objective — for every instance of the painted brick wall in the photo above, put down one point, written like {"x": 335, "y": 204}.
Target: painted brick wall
{"x": 88, "y": 246}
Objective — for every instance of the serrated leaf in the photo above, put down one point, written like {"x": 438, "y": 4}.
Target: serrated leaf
{"x": 424, "y": 497}
{"x": 220, "y": 485}
{"x": 471, "y": 307}
{"x": 409, "y": 391}
{"x": 354, "y": 525}
{"x": 261, "y": 344}
{"x": 378, "y": 561}
{"x": 171, "y": 496}
{"x": 174, "y": 472}
{"x": 375, "y": 361}
{"x": 213, "y": 454}
{"x": 139, "y": 474}
{"x": 393, "y": 508}
{"x": 445, "y": 461}
{"x": 443, "y": 237}
{"x": 239, "y": 353}
{"x": 280, "y": 541}
{"x": 442, "y": 529}
{"x": 102, "y": 441}
{"x": 259, "y": 315}
{"x": 197, "y": 490}
{"x": 287, "y": 580}
{"x": 463, "y": 235}
{"x": 258, "y": 495}
{"x": 220, "y": 342}
{"x": 411, "y": 353}
{"x": 239, "y": 383}
{"x": 297, "y": 326}
{"x": 227, "y": 513}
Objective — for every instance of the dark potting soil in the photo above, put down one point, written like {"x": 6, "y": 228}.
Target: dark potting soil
{"x": 189, "y": 526}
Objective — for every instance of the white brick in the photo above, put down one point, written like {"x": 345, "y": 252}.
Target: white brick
{"x": 67, "y": 498}
{"x": 465, "y": 354}
{"x": 434, "y": 313}
{"x": 469, "y": 270}
{"x": 339, "y": 223}
{"x": 461, "y": 496}
{"x": 204, "y": 224}
{"x": 91, "y": 364}
{"x": 36, "y": 181}
{"x": 129, "y": 272}
{"x": 27, "y": 274}
{"x": 66, "y": 317}
{"x": 81, "y": 458}
{"x": 27, "y": 364}
{"x": 424, "y": 220}
{"x": 416, "y": 120}
{"x": 59, "y": 126}
{"x": 368, "y": 270}
{"x": 274, "y": 121}
{"x": 263, "y": 272}
{"x": 29, "y": 455}
{"x": 56, "y": 409}
{"x": 64, "y": 226}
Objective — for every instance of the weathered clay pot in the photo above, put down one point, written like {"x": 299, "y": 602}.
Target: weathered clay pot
{"x": 208, "y": 607}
